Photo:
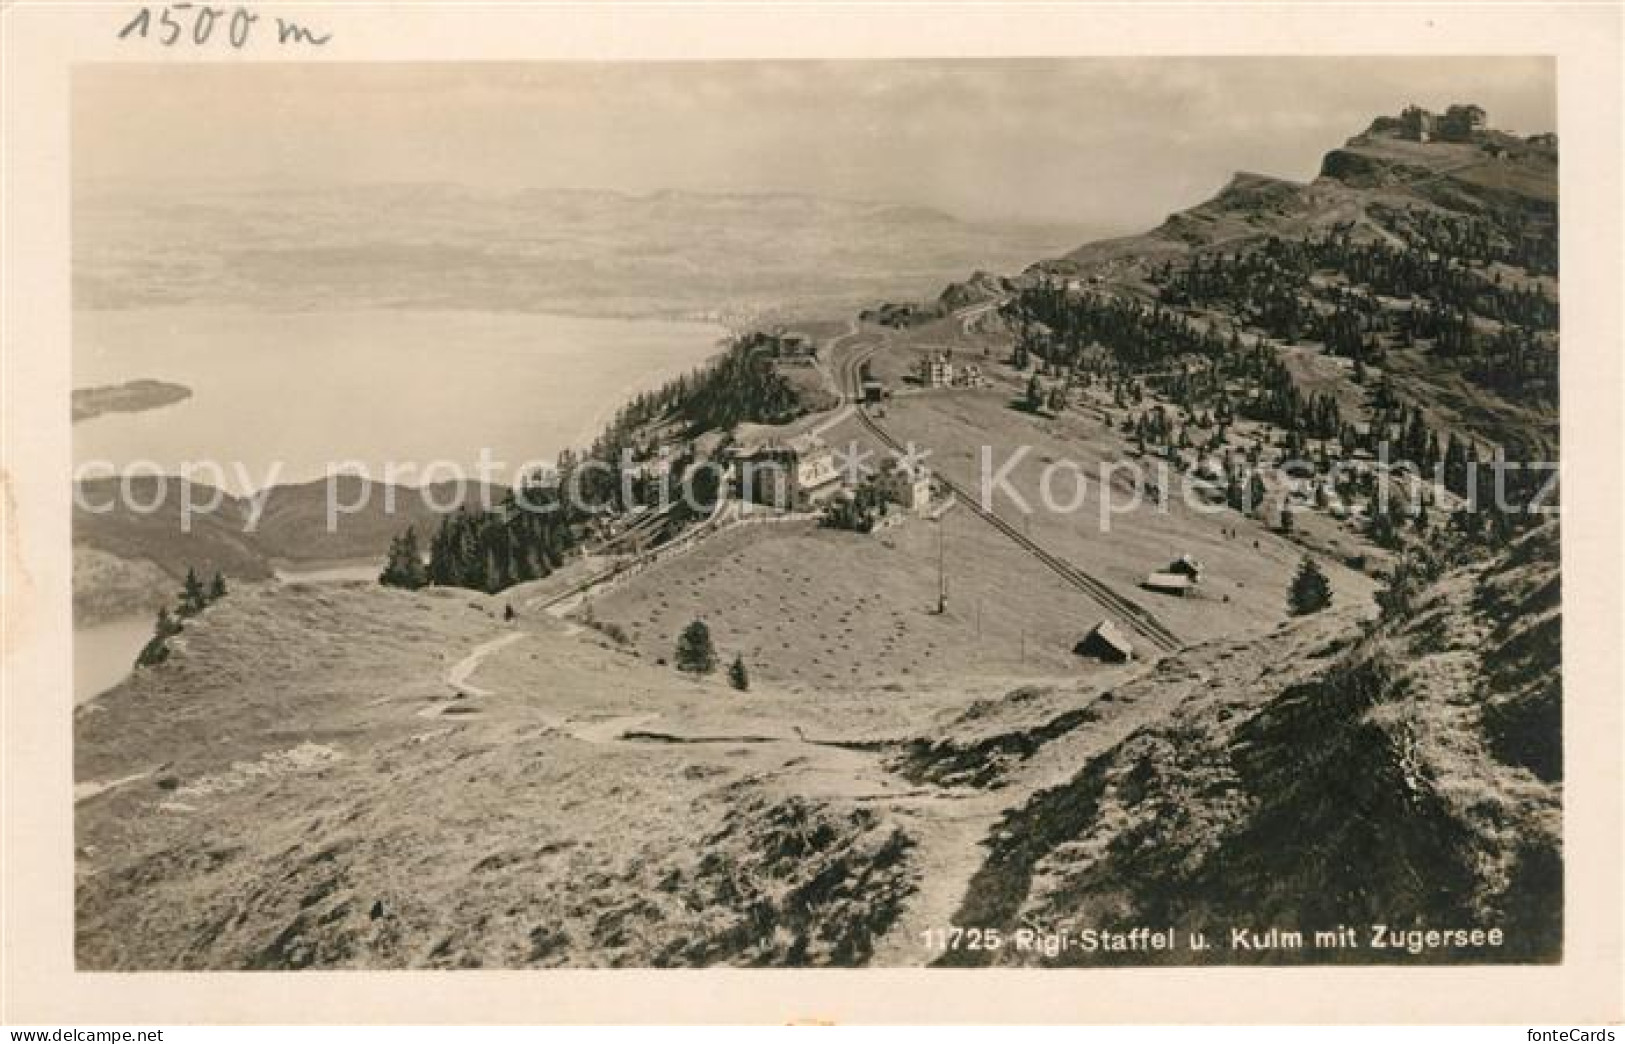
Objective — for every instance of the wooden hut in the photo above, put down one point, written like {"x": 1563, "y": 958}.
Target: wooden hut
{"x": 1107, "y": 643}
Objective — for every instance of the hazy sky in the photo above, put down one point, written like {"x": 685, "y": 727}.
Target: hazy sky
{"x": 1105, "y": 143}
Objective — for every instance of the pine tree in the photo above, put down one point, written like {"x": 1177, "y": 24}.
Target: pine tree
{"x": 1035, "y": 394}
{"x": 194, "y": 599}
{"x": 738, "y": 677}
{"x": 156, "y": 650}
{"x": 404, "y": 567}
{"x": 217, "y": 589}
{"x": 1311, "y": 591}
{"x": 695, "y": 653}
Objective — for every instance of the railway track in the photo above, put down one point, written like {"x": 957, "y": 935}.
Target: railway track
{"x": 1136, "y": 617}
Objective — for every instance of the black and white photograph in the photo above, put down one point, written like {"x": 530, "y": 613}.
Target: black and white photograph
{"x": 1026, "y": 513}
{"x": 766, "y": 514}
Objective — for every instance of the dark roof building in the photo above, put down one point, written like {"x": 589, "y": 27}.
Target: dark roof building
{"x": 1105, "y": 642}
{"x": 1187, "y": 566}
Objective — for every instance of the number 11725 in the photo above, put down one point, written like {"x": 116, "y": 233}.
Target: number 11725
{"x": 951, "y": 938}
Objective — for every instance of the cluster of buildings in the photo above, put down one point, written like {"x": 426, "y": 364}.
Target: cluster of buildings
{"x": 786, "y": 346}
{"x": 800, "y": 473}
{"x": 794, "y": 475}
{"x": 938, "y": 370}
{"x": 1109, "y": 643}
{"x": 1458, "y": 123}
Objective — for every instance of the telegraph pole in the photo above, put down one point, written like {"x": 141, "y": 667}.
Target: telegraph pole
{"x": 942, "y": 574}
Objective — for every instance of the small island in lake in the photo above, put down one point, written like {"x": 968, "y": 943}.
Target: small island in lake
{"x": 129, "y": 397}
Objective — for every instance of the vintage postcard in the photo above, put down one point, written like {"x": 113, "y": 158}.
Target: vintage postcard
{"x": 1028, "y": 504}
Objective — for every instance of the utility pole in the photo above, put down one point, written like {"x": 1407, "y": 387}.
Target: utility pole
{"x": 942, "y": 574}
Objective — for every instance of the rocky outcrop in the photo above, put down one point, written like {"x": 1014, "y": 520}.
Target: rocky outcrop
{"x": 979, "y": 288}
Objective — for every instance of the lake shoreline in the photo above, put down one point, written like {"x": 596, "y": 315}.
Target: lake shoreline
{"x": 548, "y": 369}
{"x": 447, "y": 392}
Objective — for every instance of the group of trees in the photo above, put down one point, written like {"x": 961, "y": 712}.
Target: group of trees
{"x": 1270, "y": 284}
{"x": 1504, "y": 331}
{"x": 744, "y": 384}
{"x": 524, "y": 537}
{"x": 1506, "y": 235}
{"x": 520, "y": 540}
{"x": 1037, "y": 399}
{"x": 194, "y": 597}
{"x": 860, "y": 512}
{"x": 530, "y": 533}
{"x": 1064, "y": 327}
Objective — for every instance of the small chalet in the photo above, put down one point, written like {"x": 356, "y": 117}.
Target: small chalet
{"x": 1107, "y": 643}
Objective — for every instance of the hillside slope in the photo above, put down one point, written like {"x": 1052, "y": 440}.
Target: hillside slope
{"x": 1359, "y": 784}
{"x": 347, "y": 776}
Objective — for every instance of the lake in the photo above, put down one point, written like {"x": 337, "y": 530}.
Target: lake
{"x": 280, "y": 397}
{"x": 104, "y": 654}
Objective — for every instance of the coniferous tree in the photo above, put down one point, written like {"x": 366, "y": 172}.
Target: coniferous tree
{"x": 404, "y": 567}
{"x": 695, "y": 653}
{"x": 1311, "y": 591}
{"x": 738, "y": 677}
{"x": 217, "y": 589}
{"x": 156, "y": 650}
{"x": 194, "y": 599}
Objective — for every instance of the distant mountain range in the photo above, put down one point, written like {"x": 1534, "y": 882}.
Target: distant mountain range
{"x": 581, "y": 252}
{"x": 130, "y": 560}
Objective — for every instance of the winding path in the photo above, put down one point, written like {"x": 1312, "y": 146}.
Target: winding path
{"x": 460, "y": 671}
